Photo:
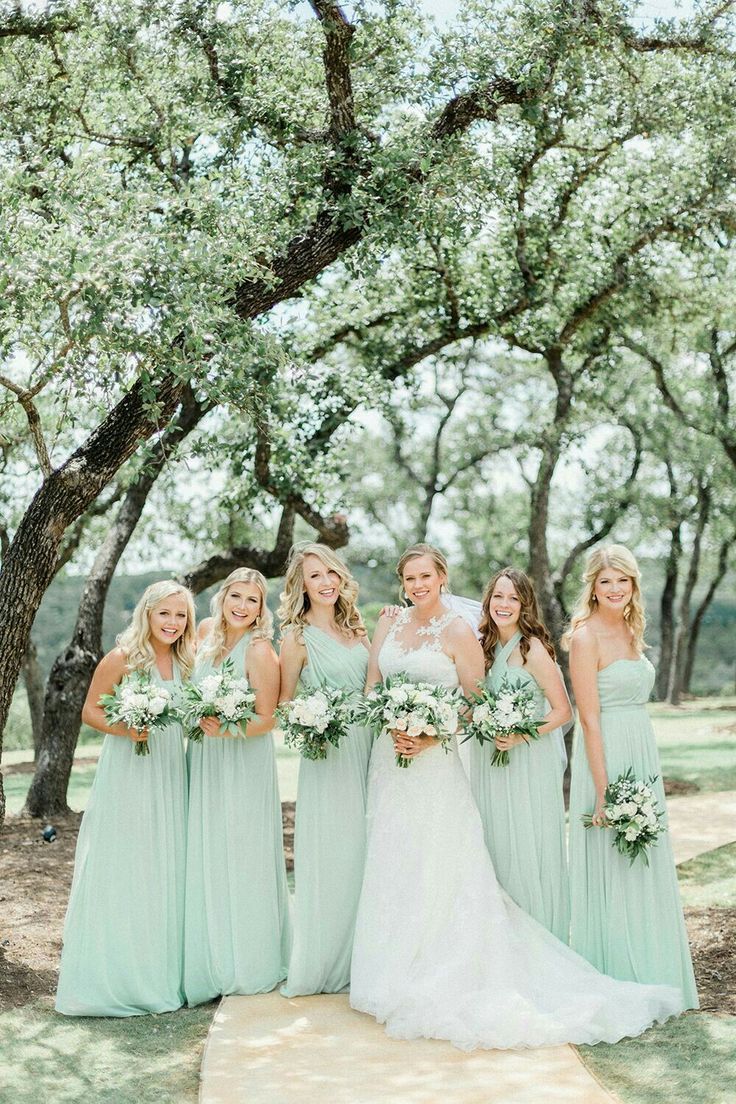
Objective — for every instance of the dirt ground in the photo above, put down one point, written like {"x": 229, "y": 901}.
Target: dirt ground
{"x": 35, "y": 877}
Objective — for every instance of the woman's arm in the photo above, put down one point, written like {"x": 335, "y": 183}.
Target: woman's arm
{"x": 465, "y": 650}
{"x": 584, "y": 675}
{"x": 262, "y": 669}
{"x": 374, "y": 671}
{"x": 544, "y": 670}
{"x": 292, "y": 660}
{"x": 108, "y": 674}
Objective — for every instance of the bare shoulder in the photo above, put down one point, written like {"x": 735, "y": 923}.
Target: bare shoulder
{"x": 261, "y": 655}
{"x": 290, "y": 644}
{"x": 584, "y": 641}
{"x": 113, "y": 665}
{"x": 459, "y": 631}
{"x": 203, "y": 628}
{"x": 538, "y": 654}
{"x": 538, "y": 659}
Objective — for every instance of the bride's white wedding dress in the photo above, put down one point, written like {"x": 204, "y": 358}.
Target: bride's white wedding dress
{"x": 440, "y": 950}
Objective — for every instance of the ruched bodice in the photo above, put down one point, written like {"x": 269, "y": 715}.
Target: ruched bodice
{"x": 330, "y": 663}
{"x": 625, "y": 684}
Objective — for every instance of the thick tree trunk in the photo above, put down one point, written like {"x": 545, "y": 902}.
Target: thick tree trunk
{"x": 73, "y": 668}
{"x": 33, "y": 681}
{"x": 30, "y": 562}
{"x": 700, "y": 612}
{"x": 677, "y": 674}
{"x": 667, "y": 613}
{"x": 540, "y": 569}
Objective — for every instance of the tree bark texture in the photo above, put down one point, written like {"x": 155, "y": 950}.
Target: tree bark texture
{"x": 73, "y": 668}
{"x": 30, "y": 562}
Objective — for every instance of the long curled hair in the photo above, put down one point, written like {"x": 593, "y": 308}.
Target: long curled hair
{"x": 136, "y": 639}
{"x": 618, "y": 558}
{"x": 411, "y": 553}
{"x": 530, "y": 623}
{"x": 295, "y": 603}
{"x": 213, "y": 644}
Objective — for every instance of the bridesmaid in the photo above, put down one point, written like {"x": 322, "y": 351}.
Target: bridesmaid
{"x": 626, "y": 919}
{"x": 124, "y": 929}
{"x": 521, "y": 805}
{"x": 324, "y": 642}
{"x": 237, "y": 927}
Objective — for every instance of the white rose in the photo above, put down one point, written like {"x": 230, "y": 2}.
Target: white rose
{"x": 632, "y": 833}
{"x": 156, "y": 706}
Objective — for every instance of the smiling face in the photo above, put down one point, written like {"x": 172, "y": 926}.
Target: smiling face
{"x": 504, "y": 605}
{"x": 613, "y": 589}
{"x": 321, "y": 583}
{"x": 168, "y": 619}
{"x": 241, "y": 606}
{"x": 422, "y": 581}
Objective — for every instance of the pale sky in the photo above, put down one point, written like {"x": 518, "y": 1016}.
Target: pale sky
{"x": 648, "y": 9}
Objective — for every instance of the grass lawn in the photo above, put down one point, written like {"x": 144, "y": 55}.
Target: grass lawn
{"x": 145, "y": 1059}
{"x": 697, "y": 745}
{"x": 16, "y": 785}
{"x": 691, "y": 1060}
{"x": 137, "y": 1060}
{"x": 709, "y": 881}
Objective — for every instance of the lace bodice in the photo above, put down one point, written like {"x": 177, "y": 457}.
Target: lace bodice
{"x": 424, "y": 661}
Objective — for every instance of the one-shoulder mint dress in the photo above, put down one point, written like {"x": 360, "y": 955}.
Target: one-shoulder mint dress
{"x": 237, "y": 930}
{"x": 523, "y": 811}
{"x": 626, "y": 919}
{"x": 124, "y": 928}
{"x": 329, "y": 832}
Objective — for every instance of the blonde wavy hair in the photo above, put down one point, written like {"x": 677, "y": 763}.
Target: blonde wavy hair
{"x": 136, "y": 639}
{"x": 619, "y": 558}
{"x": 295, "y": 602}
{"x": 213, "y": 644}
{"x": 411, "y": 553}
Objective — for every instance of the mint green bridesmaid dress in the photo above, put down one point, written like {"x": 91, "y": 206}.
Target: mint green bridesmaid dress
{"x": 523, "y": 811}
{"x": 329, "y": 833}
{"x": 124, "y": 928}
{"x": 237, "y": 930}
{"x": 626, "y": 919}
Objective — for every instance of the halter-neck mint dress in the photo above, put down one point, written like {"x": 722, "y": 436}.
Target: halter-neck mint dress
{"x": 124, "y": 928}
{"x": 237, "y": 930}
{"x": 523, "y": 811}
{"x": 626, "y": 919}
{"x": 329, "y": 832}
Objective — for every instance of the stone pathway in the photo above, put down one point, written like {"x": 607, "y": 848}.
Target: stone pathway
{"x": 315, "y": 1050}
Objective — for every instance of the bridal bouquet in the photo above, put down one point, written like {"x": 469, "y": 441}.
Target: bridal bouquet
{"x": 416, "y": 708}
{"x": 312, "y": 722}
{"x": 510, "y": 708}
{"x": 139, "y": 703}
{"x": 631, "y": 810}
{"x": 222, "y": 695}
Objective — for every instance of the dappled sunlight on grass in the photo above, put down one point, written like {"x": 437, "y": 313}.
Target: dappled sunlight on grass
{"x": 136, "y": 1060}
{"x": 690, "y": 1060}
{"x": 709, "y": 881}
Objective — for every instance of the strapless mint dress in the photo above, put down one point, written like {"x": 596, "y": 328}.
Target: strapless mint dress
{"x": 626, "y": 919}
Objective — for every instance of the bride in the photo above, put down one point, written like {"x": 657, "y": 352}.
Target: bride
{"x": 440, "y": 950}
